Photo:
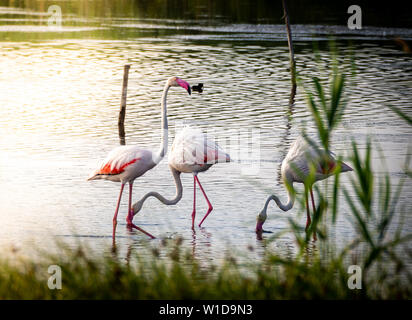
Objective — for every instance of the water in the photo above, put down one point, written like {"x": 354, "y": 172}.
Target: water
{"x": 60, "y": 94}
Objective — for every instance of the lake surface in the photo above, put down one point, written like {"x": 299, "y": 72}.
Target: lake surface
{"x": 60, "y": 93}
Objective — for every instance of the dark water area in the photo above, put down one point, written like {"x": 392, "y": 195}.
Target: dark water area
{"x": 377, "y": 13}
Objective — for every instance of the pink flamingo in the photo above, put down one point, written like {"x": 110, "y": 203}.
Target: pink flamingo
{"x": 296, "y": 168}
{"x": 192, "y": 152}
{"x": 126, "y": 163}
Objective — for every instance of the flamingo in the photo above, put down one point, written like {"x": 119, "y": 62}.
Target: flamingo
{"x": 192, "y": 152}
{"x": 126, "y": 163}
{"x": 296, "y": 168}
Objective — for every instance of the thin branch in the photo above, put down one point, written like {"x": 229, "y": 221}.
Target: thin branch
{"x": 122, "y": 113}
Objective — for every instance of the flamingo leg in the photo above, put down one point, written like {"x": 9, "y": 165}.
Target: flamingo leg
{"x": 194, "y": 202}
{"x": 308, "y": 220}
{"x": 117, "y": 211}
{"x": 129, "y": 218}
{"x": 207, "y": 200}
{"x": 141, "y": 230}
{"x": 313, "y": 201}
{"x": 314, "y": 210}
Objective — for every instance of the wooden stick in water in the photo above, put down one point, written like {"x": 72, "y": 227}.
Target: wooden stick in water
{"x": 122, "y": 113}
{"x": 291, "y": 52}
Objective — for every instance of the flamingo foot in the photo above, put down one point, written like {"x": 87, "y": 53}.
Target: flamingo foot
{"x": 131, "y": 225}
{"x": 129, "y": 218}
{"x": 207, "y": 213}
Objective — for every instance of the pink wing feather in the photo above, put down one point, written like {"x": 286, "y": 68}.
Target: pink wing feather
{"x": 117, "y": 161}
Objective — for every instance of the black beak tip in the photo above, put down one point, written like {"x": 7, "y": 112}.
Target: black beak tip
{"x": 189, "y": 91}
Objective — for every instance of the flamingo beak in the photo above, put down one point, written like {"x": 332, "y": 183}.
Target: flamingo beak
{"x": 261, "y": 218}
{"x": 259, "y": 226}
{"x": 184, "y": 85}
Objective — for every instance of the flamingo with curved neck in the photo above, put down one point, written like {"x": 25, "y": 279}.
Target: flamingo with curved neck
{"x": 126, "y": 163}
{"x": 296, "y": 167}
{"x": 192, "y": 152}
{"x": 178, "y": 196}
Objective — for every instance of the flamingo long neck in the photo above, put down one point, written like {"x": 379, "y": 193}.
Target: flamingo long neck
{"x": 179, "y": 192}
{"x": 289, "y": 203}
{"x": 164, "y": 126}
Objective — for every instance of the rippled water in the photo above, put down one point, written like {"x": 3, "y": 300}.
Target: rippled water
{"x": 60, "y": 95}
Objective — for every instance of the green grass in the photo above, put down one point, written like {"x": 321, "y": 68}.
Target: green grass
{"x": 85, "y": 276}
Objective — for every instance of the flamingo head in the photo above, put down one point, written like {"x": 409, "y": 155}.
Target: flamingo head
{"x": 177, "y": 82}
{"x": 260, "y": 220}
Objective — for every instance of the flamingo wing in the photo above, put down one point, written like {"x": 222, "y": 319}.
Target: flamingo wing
{"x": 117, "y": 161}
{"x": 109, "y": 169}
{"x": 302, "y": 156}
{"x": 192, "y": 147}
{"x": 326, "y": 165}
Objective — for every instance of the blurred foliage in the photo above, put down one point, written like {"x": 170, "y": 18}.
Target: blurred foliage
{"x": 381, "y": 246}
{"x": 85, "y": 276}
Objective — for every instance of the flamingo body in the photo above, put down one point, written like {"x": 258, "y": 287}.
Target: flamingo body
{"x": 301, "y": 156}
{"x": 124, "y": 164}
{"x": 192, "y": 151}
{"x": 296, "y": 167}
